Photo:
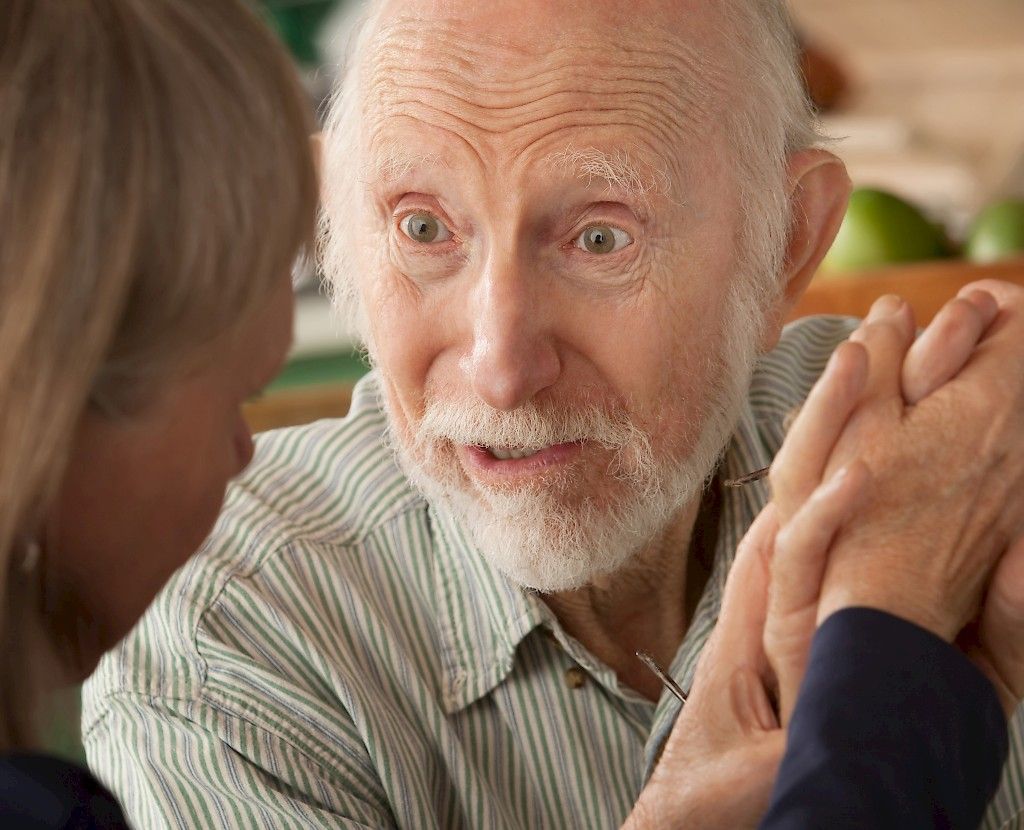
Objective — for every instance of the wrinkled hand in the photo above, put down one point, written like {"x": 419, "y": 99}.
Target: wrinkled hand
{"x": 720, "y": 762}
{"x": 948, "y": 470}
{"x": 995, "y": 641}
{"x": 976, "y": 339}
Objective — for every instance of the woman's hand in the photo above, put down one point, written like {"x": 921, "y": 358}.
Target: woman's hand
{"x": 719, "y": 764}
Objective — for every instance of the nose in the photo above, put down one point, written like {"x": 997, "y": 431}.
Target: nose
{"x": 514, "y": 355}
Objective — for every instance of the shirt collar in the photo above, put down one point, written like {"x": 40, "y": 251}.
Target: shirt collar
{"x": 483, "y": 615}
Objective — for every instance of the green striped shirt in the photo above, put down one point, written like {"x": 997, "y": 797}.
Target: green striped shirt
{"x": 339, "y": 655}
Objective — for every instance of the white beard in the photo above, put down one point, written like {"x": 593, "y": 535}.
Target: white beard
{"x": 556, "y": 536}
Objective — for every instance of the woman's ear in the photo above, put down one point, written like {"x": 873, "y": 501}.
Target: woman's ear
{"x": 316, "y": 146}
{"x": 819, "y": 189}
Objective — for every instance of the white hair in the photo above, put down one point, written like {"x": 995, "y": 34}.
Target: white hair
{"x": 340, "y": 169}
{"x": 771, "y": 118}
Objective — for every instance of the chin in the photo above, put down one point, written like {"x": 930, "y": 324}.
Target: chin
{"x": 563, "y": 530}
{"x": 563, "y": 550}
{"x": 560, "y": 537}
{"x": 80, "y": 653}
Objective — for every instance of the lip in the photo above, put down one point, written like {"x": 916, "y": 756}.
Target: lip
{"x": 481, "y": 461}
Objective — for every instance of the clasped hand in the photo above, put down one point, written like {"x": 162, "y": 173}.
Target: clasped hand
{"x": 897, "y": 488}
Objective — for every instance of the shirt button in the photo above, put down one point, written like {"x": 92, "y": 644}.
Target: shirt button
{"x": 575, "y": 678}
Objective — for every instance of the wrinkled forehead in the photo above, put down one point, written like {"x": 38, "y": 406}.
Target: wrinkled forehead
{"x": 508, "y": 79}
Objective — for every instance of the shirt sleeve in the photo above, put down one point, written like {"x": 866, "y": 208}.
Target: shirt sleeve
{"x": 189, "y": 766}
{"x": 893, "y": 727}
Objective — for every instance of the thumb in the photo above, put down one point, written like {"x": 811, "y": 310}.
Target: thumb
{"x": 728, "y": 701}
{"x": 721, "y": 695}
{"x": 1001, "y": 630}
{"x": 740, "y": 627}
{"x": 797, "y": 570}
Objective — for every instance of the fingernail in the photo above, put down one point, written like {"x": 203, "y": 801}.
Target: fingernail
{"x": 885, "y": 306}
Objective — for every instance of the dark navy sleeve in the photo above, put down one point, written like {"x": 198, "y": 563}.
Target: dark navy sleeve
{"x": 39, "y": 792}
{"x": 893, "y": 728}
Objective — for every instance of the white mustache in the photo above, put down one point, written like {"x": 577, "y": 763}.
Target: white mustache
{"x": 474, "y": 423}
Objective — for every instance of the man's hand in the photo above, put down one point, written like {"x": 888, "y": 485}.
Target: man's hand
{"x": 996, "y": 641}
{"x": 941, "y": 354}
{"x": 948, "y": 474}
{"x": 719, "y": 763}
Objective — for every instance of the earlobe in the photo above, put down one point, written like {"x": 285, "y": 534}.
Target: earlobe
{"x": 316, "y": 146}
{"x": 819, "y": 189}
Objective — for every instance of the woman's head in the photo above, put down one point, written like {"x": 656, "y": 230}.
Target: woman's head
{"x": 156, "y": 184}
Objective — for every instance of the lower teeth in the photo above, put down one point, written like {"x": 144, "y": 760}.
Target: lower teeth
{"x": 512, "y": 455}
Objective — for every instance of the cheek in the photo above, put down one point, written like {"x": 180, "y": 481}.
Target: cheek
{"x": 187, "y": 505}
{"x": 408, "y": 336}
{"x": 654, "y": 351}
{"x": 195, "y": 485}
{"x": 127, "y": 519}
{"x": 193, "y": 471}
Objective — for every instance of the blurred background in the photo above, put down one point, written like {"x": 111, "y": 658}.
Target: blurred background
{"x": 928, "y": 96}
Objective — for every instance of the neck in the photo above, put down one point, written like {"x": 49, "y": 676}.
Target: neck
{"x": 640, "y": 608}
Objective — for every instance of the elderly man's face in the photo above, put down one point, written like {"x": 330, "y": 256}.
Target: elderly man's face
{"x": 550, "y": 232}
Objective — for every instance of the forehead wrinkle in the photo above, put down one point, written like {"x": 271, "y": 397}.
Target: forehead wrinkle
{"x": 641, "y": 122}
{"x": 498, "y": 85}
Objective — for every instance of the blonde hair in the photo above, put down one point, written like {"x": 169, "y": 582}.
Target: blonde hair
{"x": 156, "y": 183}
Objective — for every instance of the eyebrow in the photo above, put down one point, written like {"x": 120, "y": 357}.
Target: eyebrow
{"x": 620, "y": 172}
{"x": 394, "y": 160}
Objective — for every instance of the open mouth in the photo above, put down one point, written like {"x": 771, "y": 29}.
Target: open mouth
{"x": 508, "y": 454}
{"x": 515, "y": 461}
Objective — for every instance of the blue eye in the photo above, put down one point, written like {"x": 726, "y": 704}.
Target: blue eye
{"x": 425, "y": 228}
{"x": 603, "y": 239}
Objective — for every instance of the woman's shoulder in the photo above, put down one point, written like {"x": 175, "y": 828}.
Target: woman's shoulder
{"x": 40, "y": 791}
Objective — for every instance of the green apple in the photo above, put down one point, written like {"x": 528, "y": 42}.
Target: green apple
{"x": 882, "y": 229}
{"x": 997, "y": 233}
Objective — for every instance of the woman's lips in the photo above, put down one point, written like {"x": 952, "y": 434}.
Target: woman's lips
{"x": 483, "y": 459}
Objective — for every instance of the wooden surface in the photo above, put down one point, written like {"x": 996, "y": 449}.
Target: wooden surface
{"x": 301, "y": 405}
{"x": 904, "y": 40}
{"x": 926, "y": 286}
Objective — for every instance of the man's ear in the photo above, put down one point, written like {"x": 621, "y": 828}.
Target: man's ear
{"x": 819, "y": 189}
